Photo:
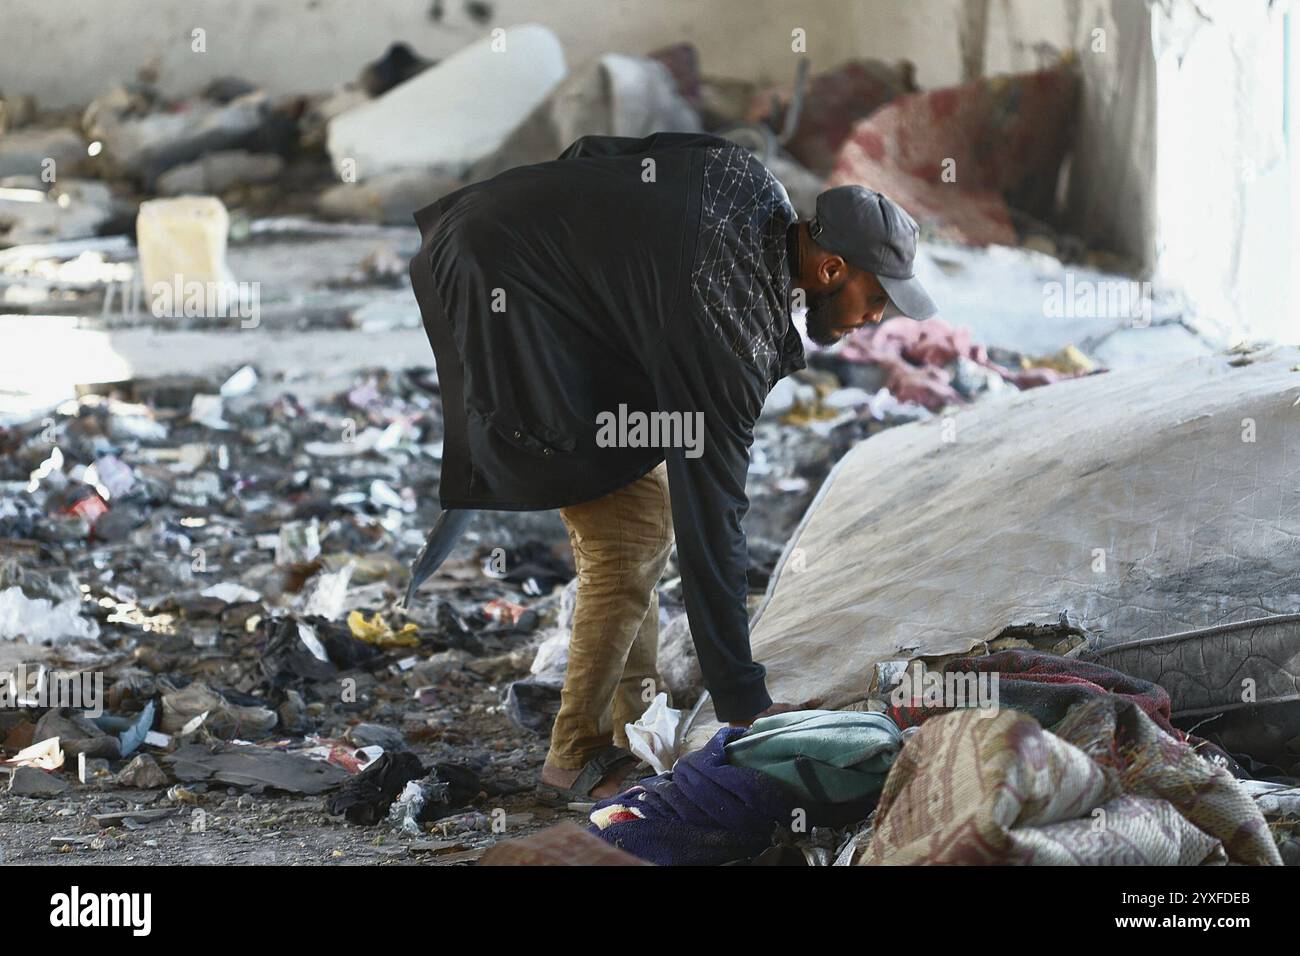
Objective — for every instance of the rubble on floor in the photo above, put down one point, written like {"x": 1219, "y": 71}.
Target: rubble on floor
{"x": 228, "y": 556}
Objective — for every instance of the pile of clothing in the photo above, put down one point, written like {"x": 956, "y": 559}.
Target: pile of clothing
{"x": 725, "y": 802}
{"x": 922, "y": 360}
{"x": 1076, "y": 763}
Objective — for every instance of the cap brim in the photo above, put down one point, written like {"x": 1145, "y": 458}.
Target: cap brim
{"x": 909, "y": 297}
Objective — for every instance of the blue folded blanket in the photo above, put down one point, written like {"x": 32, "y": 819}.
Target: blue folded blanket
{"x": 707, "y": 812}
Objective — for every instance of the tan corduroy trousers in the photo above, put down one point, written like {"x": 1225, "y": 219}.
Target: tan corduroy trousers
{"x": 621, "y": 544}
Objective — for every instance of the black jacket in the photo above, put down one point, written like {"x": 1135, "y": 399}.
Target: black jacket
{"x": 650, "y": 274}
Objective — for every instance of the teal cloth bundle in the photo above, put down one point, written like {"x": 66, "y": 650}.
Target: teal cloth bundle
{"x": 827, "y": 756}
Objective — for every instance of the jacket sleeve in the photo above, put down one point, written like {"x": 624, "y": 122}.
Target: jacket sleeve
{"x": 706, "y": 481}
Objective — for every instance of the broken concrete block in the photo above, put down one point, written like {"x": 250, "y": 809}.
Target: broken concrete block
{"x": 30, "y": 782}
{"x": 452, "y": 114}
{"x": 182, "y": 240}
{"x": 145, "y": 146}
{"x": 955, "y": 158}
{"x": 35, "y": 152}
{"x": 220, "y": 171}
{"x": 142, "y": 772}
{"x": 616, "y": 95}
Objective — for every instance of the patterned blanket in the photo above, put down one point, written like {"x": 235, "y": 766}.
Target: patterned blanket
{"x": 1045, "y": 686}
{"x": 1108, "y": 786}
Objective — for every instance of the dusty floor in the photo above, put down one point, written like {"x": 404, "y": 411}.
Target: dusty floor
{"x": 244, "y": 828}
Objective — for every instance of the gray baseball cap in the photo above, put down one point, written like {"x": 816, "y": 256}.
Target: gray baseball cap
{"x": 873, "y": 233}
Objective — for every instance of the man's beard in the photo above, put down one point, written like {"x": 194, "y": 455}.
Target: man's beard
{"x": 820, "y": 317}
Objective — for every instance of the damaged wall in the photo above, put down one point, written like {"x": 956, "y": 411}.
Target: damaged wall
{"x": 1111, "y": 180}
{"x": 1221, "y": 178}
{"x": 289, "y": 48}
{"x": 1180, "y": 162}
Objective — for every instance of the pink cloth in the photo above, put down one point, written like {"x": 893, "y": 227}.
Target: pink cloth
{"x": 915, "y": 354}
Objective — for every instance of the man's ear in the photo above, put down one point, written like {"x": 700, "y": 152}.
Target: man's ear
{"x": 832, "y": 269}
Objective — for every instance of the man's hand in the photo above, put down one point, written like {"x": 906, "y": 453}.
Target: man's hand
{"x": 778, "y": 709}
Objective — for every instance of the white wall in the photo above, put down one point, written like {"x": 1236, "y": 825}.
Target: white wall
{"x": 67, "y": 51}
{"x": 1221, "y": 174}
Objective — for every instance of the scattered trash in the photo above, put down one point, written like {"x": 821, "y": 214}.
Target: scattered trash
{"x": 198, "y": 701}
{"x": 377, "y": 631}
{"x": 656, "y": 737}
{"x": 365, "y": 799}
{"x": 46, "y": 755}
{"x": 256, "y": 767}
{"x": 39, "y": 620}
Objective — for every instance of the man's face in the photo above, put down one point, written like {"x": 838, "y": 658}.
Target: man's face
{"x": 835, "y": 311}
